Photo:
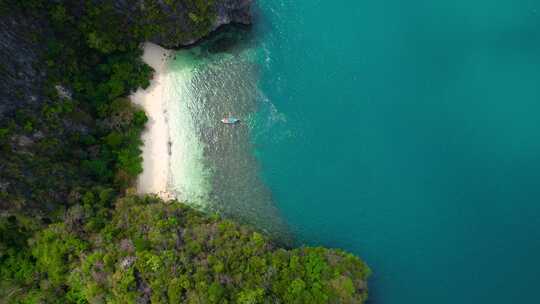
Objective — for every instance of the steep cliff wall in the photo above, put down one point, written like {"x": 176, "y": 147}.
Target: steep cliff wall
{"x": 24, "y": 34}
{"x": 182, "y": 23}
{"x": 20, "y": 72}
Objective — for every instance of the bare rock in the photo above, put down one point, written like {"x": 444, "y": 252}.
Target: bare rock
{"x": 24, "y": 141}
{"x": 127, "y": 262}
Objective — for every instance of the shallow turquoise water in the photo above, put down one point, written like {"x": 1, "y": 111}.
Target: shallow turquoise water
{"x": 408, "y": 132}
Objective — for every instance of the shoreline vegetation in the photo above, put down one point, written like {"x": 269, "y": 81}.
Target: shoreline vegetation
{"x": 72, "y": 229}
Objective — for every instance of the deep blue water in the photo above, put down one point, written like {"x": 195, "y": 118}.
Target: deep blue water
{"x": 409, "y": 134}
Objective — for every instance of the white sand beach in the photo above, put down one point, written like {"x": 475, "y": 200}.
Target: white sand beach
{"x": 172, "y": 152}
{"x": 155, "y": 175}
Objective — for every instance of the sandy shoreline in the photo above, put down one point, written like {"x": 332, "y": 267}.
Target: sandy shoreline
{"x": 156, "y": 158}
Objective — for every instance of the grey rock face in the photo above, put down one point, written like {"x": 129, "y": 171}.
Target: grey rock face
{"x": 20, "y": 77}
{"x": 233, "y": 11}
{"x": 179, "y": 30}
{"x": 21, "y": 55}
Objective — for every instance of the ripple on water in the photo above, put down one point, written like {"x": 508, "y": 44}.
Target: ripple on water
{"x": 213, "y": 166}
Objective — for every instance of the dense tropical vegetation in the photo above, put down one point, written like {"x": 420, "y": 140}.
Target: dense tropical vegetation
{"x": 148, "y": 251}
{"x": 71, "y": 232}
{"x": 84, "y": 132}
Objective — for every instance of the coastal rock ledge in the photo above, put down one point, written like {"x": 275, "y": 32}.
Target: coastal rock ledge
{"x": 183, "y": 23}
{"x": 234, "y": 11}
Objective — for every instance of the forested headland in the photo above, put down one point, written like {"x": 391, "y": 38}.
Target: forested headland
{"x": 71, "y": 230}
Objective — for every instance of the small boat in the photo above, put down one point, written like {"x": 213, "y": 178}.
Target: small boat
{"x": 230, "y": 120}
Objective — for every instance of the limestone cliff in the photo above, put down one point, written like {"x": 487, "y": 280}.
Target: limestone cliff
{"x": 20, "y": 75}
{"x": 24, "y": 33}
{"x": 179, "y": 26}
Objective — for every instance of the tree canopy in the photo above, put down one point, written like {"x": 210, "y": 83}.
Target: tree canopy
{"x": 68, "y": 234}
{"x": 147, "y": 251}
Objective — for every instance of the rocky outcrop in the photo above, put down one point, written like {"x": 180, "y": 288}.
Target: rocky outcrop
{"x": 21, "y": 56}
{"x": 233, "y": 11}
{"x": 180, "y": 22}
{"x": 230, "y": 12}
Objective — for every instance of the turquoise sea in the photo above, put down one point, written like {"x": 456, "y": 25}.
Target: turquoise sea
{"x": 406, "y": 132}
{"x": 411, "y": 138}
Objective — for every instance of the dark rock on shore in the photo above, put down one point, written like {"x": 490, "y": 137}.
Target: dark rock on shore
{"x": 20, "y": 73}
{"x": 180, "y": 27}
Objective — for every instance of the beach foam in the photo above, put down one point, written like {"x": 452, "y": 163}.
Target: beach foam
{"x": 172, "y": 152}
{"x": 189, "y": 179}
